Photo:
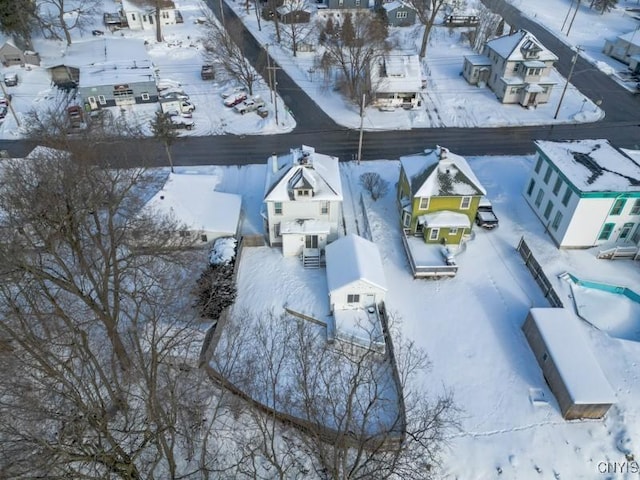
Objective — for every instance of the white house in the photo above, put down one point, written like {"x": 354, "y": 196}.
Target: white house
{"x": 586, "y": 193}
{"x": 191, "y": 199}
{"x": 625, "y": 48}
{"x": 357, "y": 285}
{"x": 141, "y": 14}
{"x": 396, "y": 81}
{"x": 517, "y": 67}
{"x": 302, "y": 207}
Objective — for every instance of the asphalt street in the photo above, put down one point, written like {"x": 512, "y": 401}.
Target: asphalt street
{"x": 621, "y": 124}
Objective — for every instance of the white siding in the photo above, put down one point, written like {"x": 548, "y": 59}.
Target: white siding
{"x": 338, "y": 297}
{"x": 303, "y": 209}
{"x": 292, "y": 244}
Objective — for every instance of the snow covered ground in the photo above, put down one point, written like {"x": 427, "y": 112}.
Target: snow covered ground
{"x": 470, "y": 326}
{"x": 449, "y": 101}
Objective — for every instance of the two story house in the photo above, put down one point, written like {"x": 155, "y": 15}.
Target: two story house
{"x": 141, "y": 14}
{"x": 302, "y": 207}
{"x": 438, "y": 196}
{"x": 516, "y": 67}
{"x": 396, "y": 81}
{"x": 586, "y": 193}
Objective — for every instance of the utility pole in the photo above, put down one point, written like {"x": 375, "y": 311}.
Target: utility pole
{"x": 564, "y": 90}
{"x": 361, "y": 128}
{"x": 566, "y": 16}
{"x": 273, "y": 82}
{"x": 10, "y": 103}
{"x": 574, "y": 17}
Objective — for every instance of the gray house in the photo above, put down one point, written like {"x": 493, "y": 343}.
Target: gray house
{"x": 625, "y": 48}
{"x": 110, "y": 72}
{"x": 346, "y": 4}
{"x": 568, "y": 363}
{"x": 398, "y": 13}
{"x": 12, "y": 55}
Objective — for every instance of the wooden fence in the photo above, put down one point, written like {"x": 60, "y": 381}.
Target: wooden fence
{"x": 538, "y": 274}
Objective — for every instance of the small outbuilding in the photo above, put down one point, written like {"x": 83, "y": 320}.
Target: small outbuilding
{"x": 12, "y": 55}
{"x": 568, "y": 363}
{"x": 357, "y": 286}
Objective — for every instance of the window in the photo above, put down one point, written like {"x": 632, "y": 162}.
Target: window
{"x": 434, "y": 234}
{"x": 185, "y": 233}
{"x": 151, "y": 19}
{"x": 133, "y": 16}
{"x": 398, "y": 14}
{"x": 203, "y": 237}
{"x": 556, "y": 221}
{"x": 277, "y": 208}
{"x": 276, "y": 230}
{"x": 324, "y": 208}
{"x": 453, "y": 231}
{"x": 605, "y": 233}
{"x": 635, "y": 210}
{"x": 303, "y": 192}
{"x": 531, "y": 186}
{"x": 547, "y": 174}
{"x": 353, "y": 298}
{"x": 406, "y": 219}
{"x": 92, "y": 100}
{"x": 424, "y": 203}
{"x": 144, "y": 96}
{"x": 538, "y": 165}
{"x": 340, "y": 3}
{"x": 556, "y": 187}
{"x": 626, "y": 230}
{"x": 123, "y": 93}
{"x": 548, "y": 209}
{"x": 102, "y": 100}
{"x": 165, "y": 14}
{"x": 539, "y": 198}
{"x": 144, "y": 18}
{"x": 567, "y": 196}
{"x": 514, "y": 89}
{"x": 465, "y": 203}
{"x": 618, "y": 206}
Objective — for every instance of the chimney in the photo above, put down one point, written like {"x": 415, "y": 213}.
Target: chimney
{"x": 274, "y": 163}
{"x": 442, "y": 154}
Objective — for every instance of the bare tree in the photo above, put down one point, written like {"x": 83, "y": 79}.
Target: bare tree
{"x": 352, "y": 46}
{"x": 164, "y": 130}
{"x": 374, "y": 184}
{"x": 488, "y": 23}
{"x": 220, "y": 48}
{"x": 427, "y": 12}
{"x": 296, "y": 30}
{"x": 101, "y": 378}
{"x": 60, "y": 17}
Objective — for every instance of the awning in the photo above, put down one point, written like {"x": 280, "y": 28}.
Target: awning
{"x": 444, "y": 219}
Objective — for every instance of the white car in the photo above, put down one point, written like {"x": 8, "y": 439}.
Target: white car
{"x": 249, "y": 105}
{"x": 233, "y": 91}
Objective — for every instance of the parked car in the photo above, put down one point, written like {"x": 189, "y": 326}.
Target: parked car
{"x": 187, "y": 107}
{"x": 249, "y": 105}
{"x": 235, "y": 99}
{"x": 97, "y": 33}
{"x": 207, "y": 72}
{"x": 3, "y": 111}
{"x": 233, "y": 91}
{"x": 177, "y": 94}
{"x": 10, "y": 79}
{"x": 166, "y": 84}
{"x": 485, "y": 217}
{"x": 263, "y": 112}
{"x": 180, "y": 123}
{"x": 5, "y": 100}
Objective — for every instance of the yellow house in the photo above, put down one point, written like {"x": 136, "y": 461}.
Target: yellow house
{"x": 438, "y": 196}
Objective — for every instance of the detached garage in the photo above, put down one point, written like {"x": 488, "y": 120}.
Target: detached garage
{"x": 568, "y": 364}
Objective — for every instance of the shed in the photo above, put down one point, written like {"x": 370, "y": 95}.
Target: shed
{"x": 291, "y": 13}
{"x": 355, "y": 276}
{"x": 568, "y": 363}
{"x": 12, "y": 55}
{"x": 192, "y": 200}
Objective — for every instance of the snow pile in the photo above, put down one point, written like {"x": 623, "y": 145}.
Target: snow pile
{"x": 223, "y": 251}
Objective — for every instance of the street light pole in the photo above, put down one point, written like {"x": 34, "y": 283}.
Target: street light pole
{"x": 564, "y": 90}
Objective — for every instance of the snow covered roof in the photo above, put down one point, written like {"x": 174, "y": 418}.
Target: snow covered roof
{"x": 290, "y": 7}
{"x": 109, "y": 61}
{"x": 511, "y": 47}
{"x": 192, "y": 200}
{"x": 632, "y": 37}
{"x": 352, "y": 258}
{"x": 396, "y": 74}
{"x": 478, "y": 60}
{"x": 441, "y": 173}
{"x": 593, "y": 165}
{"x": 302, "y": 166}
{"x": 445, "y": 218}
{"x": 146, "y": 5}
{"x": 394, "y": 5}
{"x": 534, "y": 88}
{"x": 566, "y": 344}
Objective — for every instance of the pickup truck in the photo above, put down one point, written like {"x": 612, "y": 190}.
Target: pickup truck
{"x": 485, "y": 217}
{"x": 249, "y": 105}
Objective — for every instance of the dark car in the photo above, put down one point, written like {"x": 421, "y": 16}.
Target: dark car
{"x": 97, "y": 33}
{"x": 485, "y": 217}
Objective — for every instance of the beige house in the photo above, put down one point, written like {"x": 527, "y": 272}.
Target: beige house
{"x": 517, "y": 67}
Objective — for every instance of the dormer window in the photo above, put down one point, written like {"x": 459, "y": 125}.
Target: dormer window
{"x": 303, "y": 192}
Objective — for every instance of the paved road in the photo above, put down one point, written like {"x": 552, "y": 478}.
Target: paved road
{"x": 621, "y": 124}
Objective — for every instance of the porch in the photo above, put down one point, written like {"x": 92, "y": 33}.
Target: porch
{"x": 428, "y": 260}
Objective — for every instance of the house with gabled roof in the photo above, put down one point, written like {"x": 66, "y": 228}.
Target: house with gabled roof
{"x": 516, "y": 67}
{"x": 586, "y": 193}
{"x": 141, "y": 14}
{"x": 438, "y": 196}
{"x": 302, "y": 207}
{"x": 357, "y": 286}
{"x": 397, "y": 12}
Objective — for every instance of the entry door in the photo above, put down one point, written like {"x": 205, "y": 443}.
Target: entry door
{"x": 311, "y": 241}
{"x": 625, "y": 231}
{"x": 92, "y": 103}
{"x": 532, "y": 98}
{"x": 636, "y": 235}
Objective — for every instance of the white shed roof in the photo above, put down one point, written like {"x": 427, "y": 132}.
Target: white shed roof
{"x": 320, "y": 171}
{"x": 593, "y": 165}
{"x": 567, "y": 345}
{"x": 444, "y": 219}
{"x": 192, "y": 200}
{"x": 354, "y": 258}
